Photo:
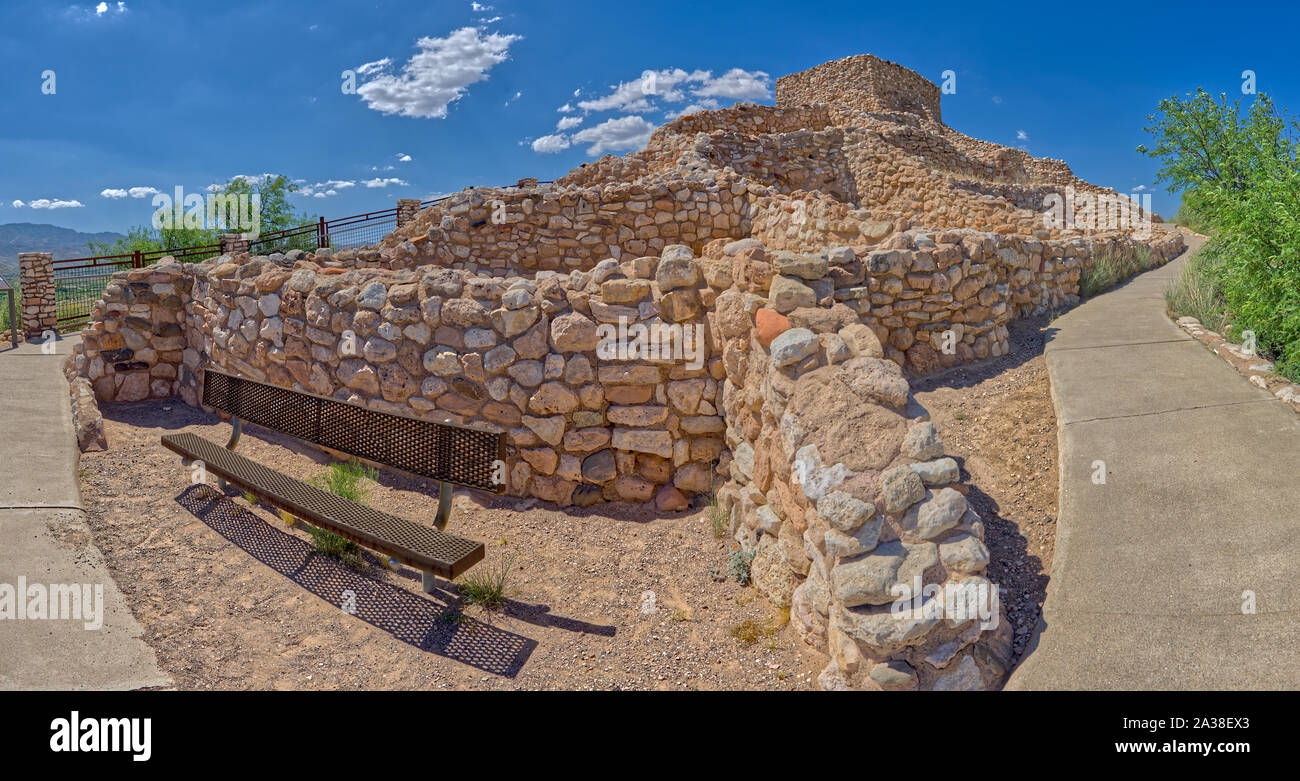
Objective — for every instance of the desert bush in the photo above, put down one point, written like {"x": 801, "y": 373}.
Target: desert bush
{"x": 1198, "y": 290}
{"x": 1107, "y": 271}
{"x": 487, "y": 585}
{"x": 1243, "y": 176}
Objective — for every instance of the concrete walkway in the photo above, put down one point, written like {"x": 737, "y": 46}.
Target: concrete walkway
{"x": 45, "y": 540}
{"x": 1201, "y": 502}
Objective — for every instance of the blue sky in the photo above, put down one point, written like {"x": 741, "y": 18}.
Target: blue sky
{"x": 155, "y": 95}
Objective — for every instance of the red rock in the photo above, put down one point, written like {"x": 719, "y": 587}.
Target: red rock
{"x": 669, "y": 499}
{"x": 770, "y": 324}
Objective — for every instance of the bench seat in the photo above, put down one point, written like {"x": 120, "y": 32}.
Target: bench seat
{"x": 423, "y": 547}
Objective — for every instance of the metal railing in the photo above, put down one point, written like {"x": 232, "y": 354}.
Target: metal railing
{"x": 80, "y": 282}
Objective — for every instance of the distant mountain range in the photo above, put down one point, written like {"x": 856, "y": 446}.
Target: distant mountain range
{"x": 16, "y": 237}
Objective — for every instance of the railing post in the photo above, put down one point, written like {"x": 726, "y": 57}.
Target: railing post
{"x": 39, "y": 306}
{"x": 407, "y": 208}
{"x": 320, "y": 233}
{"x": 232, "y": 243}
{"x": 137, "y": 259}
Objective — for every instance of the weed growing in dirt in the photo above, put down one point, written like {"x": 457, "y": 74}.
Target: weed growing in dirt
{"x": 487, "y": 587}
{"x": 717, "y": 517}
{"x": 750, "y": 632}
{"x": 348, "y": 481}
{"x": 738, "y": 564}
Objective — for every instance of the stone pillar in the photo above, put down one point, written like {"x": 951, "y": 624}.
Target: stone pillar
{"x": 232, "y": 243}
{"x": 36, "y": 276}
{"x": 407, "y": 208}
{"x": 530, "y": 181}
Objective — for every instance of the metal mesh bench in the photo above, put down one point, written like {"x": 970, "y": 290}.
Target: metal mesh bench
{"x": 443, "y": 451}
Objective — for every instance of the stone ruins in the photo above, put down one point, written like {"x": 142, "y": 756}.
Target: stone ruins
{"x": 733, "y": 310}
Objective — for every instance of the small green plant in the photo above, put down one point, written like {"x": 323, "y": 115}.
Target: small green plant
{"x": 717, "y": 517}
{"x": 487, "y": 587}
{"x": 250, "y": 497}
{"x": 739, "y": 562}
{"x": 348, "y": 481}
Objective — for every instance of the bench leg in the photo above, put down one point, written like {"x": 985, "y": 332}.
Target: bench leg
{"x": 234, "y": 440}
{"x": 426, "y": 582}
{"x": 444, "y": 506}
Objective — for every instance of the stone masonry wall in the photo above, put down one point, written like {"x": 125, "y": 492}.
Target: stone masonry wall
{"x": 37, "y": 308}
{"x": 839, "y": 486}
{"x": 863, "y": 82}
{"x": 516, "y": 355}
{"x": 505, "y": 231}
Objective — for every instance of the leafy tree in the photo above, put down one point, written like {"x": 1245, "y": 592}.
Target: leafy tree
{"x": 1240, "y": 174}
{"x": 275, "y": 214}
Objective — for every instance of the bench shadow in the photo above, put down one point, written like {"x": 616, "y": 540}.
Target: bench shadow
{"x": 412, "y": 618}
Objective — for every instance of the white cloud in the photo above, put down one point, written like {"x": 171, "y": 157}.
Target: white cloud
{"x": 478, "y": 7}
{"x": 436, "y": 76}
{"x": 373, "y": 68}
{"x": 1022, "y": 135}
{"x": 635, "y": 95}
{"x": 549, "y": 145}
{"x": 250, "y": 178}
{"x": 17, "y": 204}
{"x": 565, "y": 109}
{"x": 737, "y": 84}
{"x": 134, "y": 192}
{"x": 703, "y": 105}
{"x": 489, "y": 20}
{"x": 403, "y": 158}
{"x": 631, "y": 132}
{"x": 325, "y": 189}
{"x": 46, "y": 203}
{"x": 385, "y": 182}
{"x": 568, "y": 123}
{"x": 674, "y": 85}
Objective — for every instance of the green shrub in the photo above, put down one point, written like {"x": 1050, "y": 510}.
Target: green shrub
{"x": 1107, "y": 271}
{"x": 1198, "y": 290}
{"x": 1240, "y": 175}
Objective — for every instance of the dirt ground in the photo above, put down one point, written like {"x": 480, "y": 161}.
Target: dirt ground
{"x": 996, "y": 418}
{"x": 232, "y": 598}
{"x": 615, "y": 597}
